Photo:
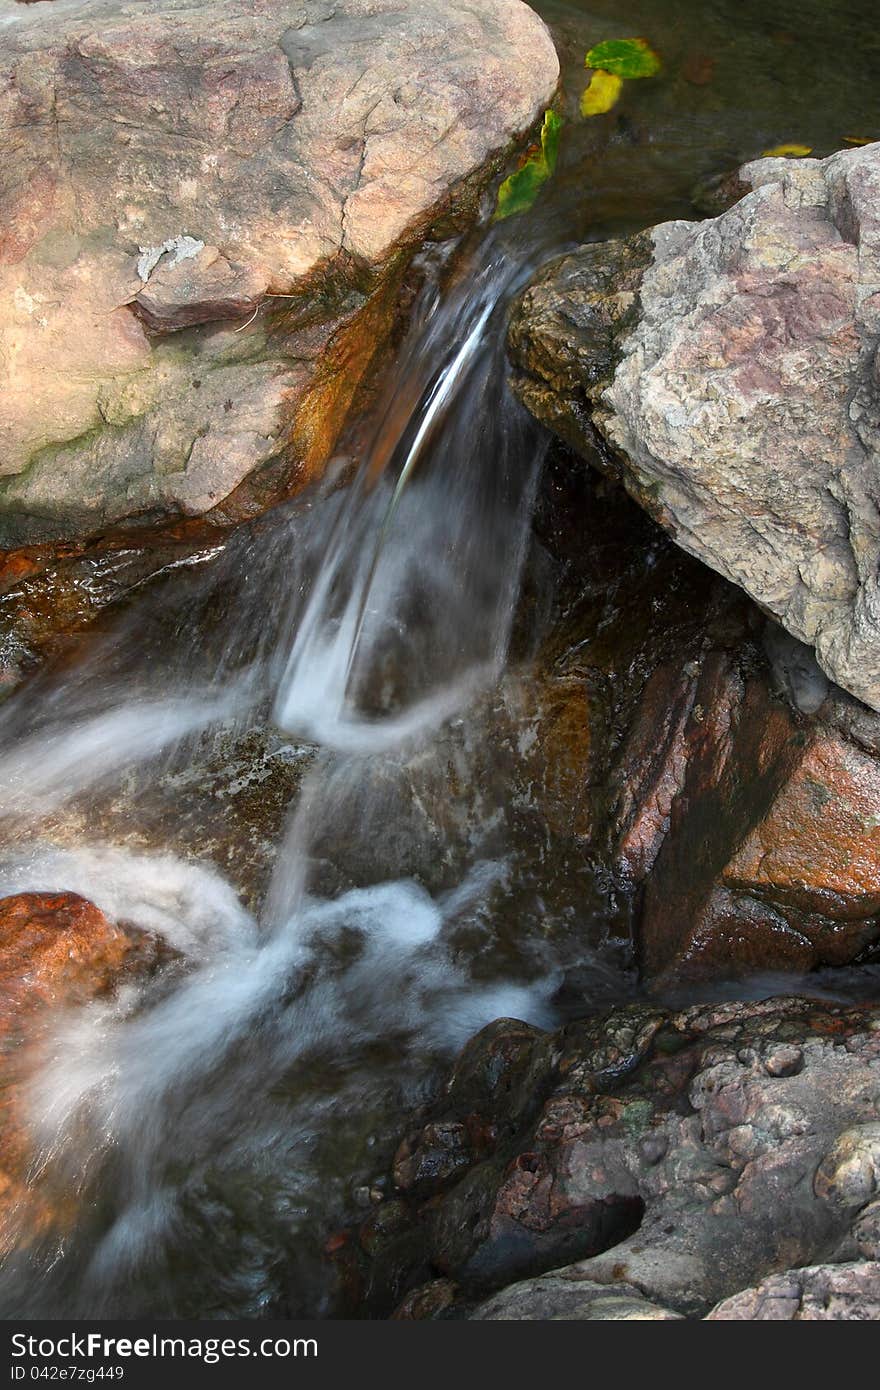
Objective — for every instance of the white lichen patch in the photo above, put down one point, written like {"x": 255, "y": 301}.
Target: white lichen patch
{"x": 24, "y": 302}
{"x": 179, "y": 248}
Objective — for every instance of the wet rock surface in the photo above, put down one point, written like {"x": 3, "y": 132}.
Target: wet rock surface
{"x": 51, "y": 594}
{"x": 56, "y": 949}
{"x": 57, "y": 952}
{"x": 657, "y": 1162}
{"x": 721, "y": 788}
{"x": 153, "y": 205}
{"x": 726, "y": 372}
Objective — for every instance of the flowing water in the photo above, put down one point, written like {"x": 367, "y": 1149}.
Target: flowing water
{"x": 340, "y": 669}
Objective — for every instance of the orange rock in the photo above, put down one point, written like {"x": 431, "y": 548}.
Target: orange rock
{"x": 56, "y": 950}
{"x": 818, "y": 847}
{"x": 754, "y": 831}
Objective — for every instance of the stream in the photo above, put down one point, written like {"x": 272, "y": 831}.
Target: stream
{"x": 296, "y": 761}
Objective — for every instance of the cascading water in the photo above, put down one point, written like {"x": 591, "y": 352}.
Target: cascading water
{"x": 300, "y": 764}
{"x": 411, "y": 609}
{"x": 211, "y": 1094}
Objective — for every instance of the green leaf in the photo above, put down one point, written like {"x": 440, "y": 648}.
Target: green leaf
{"x": 519, "y": 191}
{"x": 550, "y": 140}
{"x": 601, "y": 94}
{"x": 625, "y": 58}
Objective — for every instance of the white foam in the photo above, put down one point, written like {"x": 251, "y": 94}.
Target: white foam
{"x": 188, "y": 904}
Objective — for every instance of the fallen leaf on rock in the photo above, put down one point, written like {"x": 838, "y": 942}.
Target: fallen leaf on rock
{"x": 601, "y": 94}
{"x": 518, "y": 192}
{"x": 550, "y": 139}
{"x": 625, "y": 58}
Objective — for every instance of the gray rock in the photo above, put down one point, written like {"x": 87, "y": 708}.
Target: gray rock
{"x": 822, "y": 1293}
{"x": 687, "y": 1156}
{"x": 168, "y": 167}
{"x": 566, "y": 1300}
{"x": 728, "y": 372}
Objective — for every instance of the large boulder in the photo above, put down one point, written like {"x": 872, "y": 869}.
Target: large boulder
{"x": 727, "y": 372}
{"x": 169, "y": 166}
{"x": 656, "y": 1162}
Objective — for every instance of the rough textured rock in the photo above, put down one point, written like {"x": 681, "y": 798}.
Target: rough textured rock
{"x": 550, "y": 1299}
{"x": 727, "y": 371}
{"x": 168, "y": 167}
{"x": 823, "y": 1293}
{"x": 683, "y": 1156}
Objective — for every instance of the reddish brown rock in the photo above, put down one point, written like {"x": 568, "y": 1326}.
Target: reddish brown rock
{"x": 56, "y": 951}
{"x": 707, "y": 761}
{"x": 818, "y": 847}
{"x": 750, "y": 828}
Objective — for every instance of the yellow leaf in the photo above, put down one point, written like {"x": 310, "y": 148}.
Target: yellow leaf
{"x": 788, "y": 152}
{"x": 858, "y": 139}
{"x": 601, "y": 94}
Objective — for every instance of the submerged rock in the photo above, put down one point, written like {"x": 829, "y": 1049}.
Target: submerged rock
{"x": 726, "y": 371}
{"x": 168, "y": 169}
{"x": 681, "y": 1157}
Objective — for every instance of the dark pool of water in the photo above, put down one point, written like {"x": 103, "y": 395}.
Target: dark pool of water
{"x": 739, "y": 77}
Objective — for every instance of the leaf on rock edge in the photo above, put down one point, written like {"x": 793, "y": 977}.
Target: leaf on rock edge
{"x": 518, "y": 192}
{"x": 601, "y": 94}
{"x": 788, "y": 152}
{"x": 550, "y": 139}
{"x": 625, "y": 58}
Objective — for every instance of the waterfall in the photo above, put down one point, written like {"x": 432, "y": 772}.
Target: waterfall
{"x": 364, "y": 621}
{"x": 411, "y": 608}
